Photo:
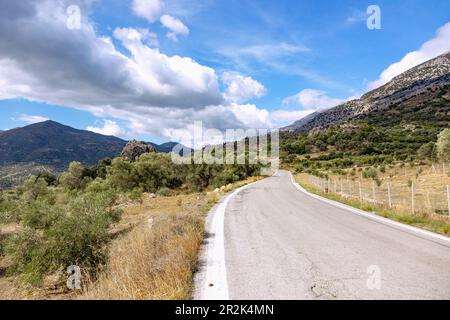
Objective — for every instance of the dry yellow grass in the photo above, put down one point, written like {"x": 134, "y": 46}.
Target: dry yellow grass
{"x": 399, "y": 211}
{"x": 153, "y": 254}
{"x": 158, "y": 257}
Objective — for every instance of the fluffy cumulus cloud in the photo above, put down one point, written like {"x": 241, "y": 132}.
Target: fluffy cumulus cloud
{"x": 148, "y": 89}
{"x": 240, "y": 88}
{"x": 312, "y": 99}
{"x": 148, "y": 9}
{"x": 30, "y": 119}
{"x": 175, "y": 26}
{"x": 436, "y": 46}
{"x": 109, "y": 128}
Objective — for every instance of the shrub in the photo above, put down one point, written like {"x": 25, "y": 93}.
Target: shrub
{"x": 57, "y": 236}
{"x": 370, "y": 173}
{"x": 443, "y": 145}
{"x": 225, "y": 177}
{"x": 164, "y": 192}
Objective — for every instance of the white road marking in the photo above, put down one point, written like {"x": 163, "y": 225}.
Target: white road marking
{"x": 434, "y": 236}
{"x": 215, "y": 286}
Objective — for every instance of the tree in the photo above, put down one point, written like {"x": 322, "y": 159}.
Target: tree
{"x": 427, "y": 151}
{"x": 443, "y": 145}
{"x": 73, "y": 179}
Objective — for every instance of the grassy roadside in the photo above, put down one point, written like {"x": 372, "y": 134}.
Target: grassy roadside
{"x": 434, "y": 223}
{"x": 157, "y": 257}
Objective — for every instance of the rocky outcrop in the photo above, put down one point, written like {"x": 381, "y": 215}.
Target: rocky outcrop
{"x": 134, "y": 149}
{"x": 426, "y": 82}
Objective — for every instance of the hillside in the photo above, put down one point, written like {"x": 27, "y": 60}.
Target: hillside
{"x": 419, "y": 94}
{"x": 56, "y": 145}
{"x": 50, "y": 146}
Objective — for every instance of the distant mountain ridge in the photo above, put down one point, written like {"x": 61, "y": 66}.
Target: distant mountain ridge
{"x": 422, "y": 85}
{"x": 53, "y": 144}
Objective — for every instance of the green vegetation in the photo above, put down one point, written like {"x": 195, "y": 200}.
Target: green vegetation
{"x": 443, "y": 145}
{"x": 363, "y": 144}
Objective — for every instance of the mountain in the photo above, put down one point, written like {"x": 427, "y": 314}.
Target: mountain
{"x": 300, "y": 123}
{"x": 56, "y": 145}
{"x": 52, "y": 144}
{"x": 421, "y": 94}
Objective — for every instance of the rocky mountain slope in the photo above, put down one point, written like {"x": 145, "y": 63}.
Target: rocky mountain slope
{"x": 421, "y": 92}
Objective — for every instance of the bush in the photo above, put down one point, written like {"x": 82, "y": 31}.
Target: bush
{"x": 164, "y": 192}
{"x": 443, "y": 145}
{"x": 225, "y": 177}
{"x": 55, "y": 236}
{"x": 370, "y": 173}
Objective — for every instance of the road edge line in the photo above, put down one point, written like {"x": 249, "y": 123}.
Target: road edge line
{"x": 215, "y": 268}
{"x": 372, "y": 216}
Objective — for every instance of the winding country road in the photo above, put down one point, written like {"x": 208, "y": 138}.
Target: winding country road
{"x": 272, "y": 240}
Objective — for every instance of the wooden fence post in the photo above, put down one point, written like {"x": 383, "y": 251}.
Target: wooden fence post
{"x": 429, "y": 202}
{"x": 360, "y": 191}
{"x": 448, "y": 199}
{"x": 349, "y": 188}
{"x": 389, "y": 195}
{"x": 373, "y": 192}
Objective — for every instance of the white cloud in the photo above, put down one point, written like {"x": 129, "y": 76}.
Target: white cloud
{"x": 110, "y": 128}
{"x": 438, "y": 45}
{"x": 240, "y": 88}
{"x": 175, "y": 26}
{"x": 311, "y": 99}
{"x": 282, "y": 118}
{"x": 153, "y": 93}
{"x": 357, "y": 16}
{"x": 266, "y": 54}
{"x": 148, "y": 9}
{"x": 30, "y": 119}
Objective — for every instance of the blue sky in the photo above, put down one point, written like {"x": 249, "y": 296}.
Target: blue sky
{"x": 253, "y": 63}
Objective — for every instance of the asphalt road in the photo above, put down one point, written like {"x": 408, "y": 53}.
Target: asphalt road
{"x": 270, "y": 240}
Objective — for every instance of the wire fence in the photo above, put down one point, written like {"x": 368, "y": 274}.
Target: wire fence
{"x": 412, "y": 197}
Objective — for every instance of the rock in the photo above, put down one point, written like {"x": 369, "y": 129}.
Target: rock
{"x": 152, "y": 195}
{"x": 216, "y": 190}
{"x": 134, "y": 149}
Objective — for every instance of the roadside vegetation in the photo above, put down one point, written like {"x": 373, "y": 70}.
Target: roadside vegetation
{"x": 50, "y": 223}
{"x": 400, "y": 171}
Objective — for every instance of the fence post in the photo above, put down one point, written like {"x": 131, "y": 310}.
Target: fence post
{"x": 373, "y": 192}
{"x": 335, "y": 187}
{"x": 349, "y": 188}
{"x": 448, "y": 199}
{"x": 413, "y": 204}
{"x": 360, "y": 191}
{"x": 389, "y": 195}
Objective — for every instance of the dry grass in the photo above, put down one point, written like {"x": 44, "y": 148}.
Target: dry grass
{"x": 432, "y": 222}
{"x": 158, "y": 257}
{"x": 153, "y": 254}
